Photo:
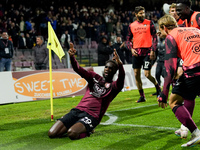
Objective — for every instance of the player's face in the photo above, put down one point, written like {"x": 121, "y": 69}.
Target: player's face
{"x": 173, "y": 12}
{"x": 140, "y": 15}
{"x": 181, "y": 11}
{"x": 109, "y": 71}
{"x": 162, "y": 33}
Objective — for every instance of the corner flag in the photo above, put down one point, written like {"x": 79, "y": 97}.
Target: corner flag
{"x": 53, "y": 42}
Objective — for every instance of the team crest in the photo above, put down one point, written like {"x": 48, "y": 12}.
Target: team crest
{"x": 192, "y": 23}
{"x": 107, "y": 85}
{"x": 145, "y": 25}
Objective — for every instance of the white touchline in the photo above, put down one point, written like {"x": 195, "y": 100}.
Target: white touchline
{"x": 113, "y": 118}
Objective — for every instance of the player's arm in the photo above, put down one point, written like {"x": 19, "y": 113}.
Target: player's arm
{"x": 129, "y": 42}
{"x": 170, "y": 68}
{"x": 75, "y": 65}
{"x": 119, "y": 84}
{"x": 198, "y": 19}
{"x": 155, "y": 41}
{"x": 129, "y": 38}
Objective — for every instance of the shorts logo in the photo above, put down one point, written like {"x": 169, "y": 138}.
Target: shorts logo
{"x": 88, "y": 121}
{"x": 196, "y": 48}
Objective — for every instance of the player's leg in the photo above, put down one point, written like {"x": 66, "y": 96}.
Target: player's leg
{"x": 64, "y": 123}
{"x": 74, "y": 132}
{"x": 147, "y": 72}
{"x": 57, "y": 130}
{"x": 138, "y": 81}
{"x": 158, "y": 74}
{"x": 159, "y": 69}
{"x": 83, "y": 127}
{"x": 186, "y": 88}
{"x": 181, "y": 113}
{"x": 153, "y": 80}
{"x": 137, "y": 64}
{"x": 183, "y": 131}
{"x": 189, "y": 105}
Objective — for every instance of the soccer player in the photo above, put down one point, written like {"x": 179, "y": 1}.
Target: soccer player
{"x": 184, "y": 43}
{"x": 82, "y": 119}
{"x": 184, "y": 11}
{"x": 141, "y": 34}
{"x": 191, "y": 19}
{"x": 173, "y": 12}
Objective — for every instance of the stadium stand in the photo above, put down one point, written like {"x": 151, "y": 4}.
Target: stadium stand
{"x": 31, "y": 17}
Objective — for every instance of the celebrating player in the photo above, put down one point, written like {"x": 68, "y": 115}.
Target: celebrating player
{"x": 82, "y": 119}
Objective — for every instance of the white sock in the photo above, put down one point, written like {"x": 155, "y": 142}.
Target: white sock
{"x": 196, "y": 132}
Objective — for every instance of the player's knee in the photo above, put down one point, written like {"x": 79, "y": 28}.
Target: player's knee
{"x": 72, "y": 134}
{"x": 147, "y": 75}
{"x": 52, "y": 134}
{"x": 171, "y": 105}
{"x": 137, "y": 76}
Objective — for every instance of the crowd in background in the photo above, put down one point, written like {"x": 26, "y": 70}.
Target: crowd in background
{"x": 25, "y": 22}
{"x": 72, "y": 21}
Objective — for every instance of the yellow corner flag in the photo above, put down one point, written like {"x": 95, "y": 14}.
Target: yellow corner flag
{"x": 53, "y": 42}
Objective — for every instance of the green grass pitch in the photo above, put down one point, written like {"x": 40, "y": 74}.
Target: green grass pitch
{"x": 131, "y": 126}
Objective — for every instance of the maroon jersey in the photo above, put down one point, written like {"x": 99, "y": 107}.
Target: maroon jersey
{"x": 99, "y": 93}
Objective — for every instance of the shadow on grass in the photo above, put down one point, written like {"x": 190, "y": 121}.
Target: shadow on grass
{"x": 23, "y": 123}
{"x": 148, "y": 139}
{"x": 37, "y": 141}
{"x": 134, "y": 113}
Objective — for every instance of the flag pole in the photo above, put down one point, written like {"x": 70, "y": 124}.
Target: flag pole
{"x": 50, "y": 67}
{"x": 50, "y": 77}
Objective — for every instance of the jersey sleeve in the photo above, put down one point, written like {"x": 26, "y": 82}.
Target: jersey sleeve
{"x": 119, "y": 84}
{"x": 80, "y": 70}
{"x": 129, "y": 38}
{"x": 154, "y": 36}
{"x": 170, "y": 63}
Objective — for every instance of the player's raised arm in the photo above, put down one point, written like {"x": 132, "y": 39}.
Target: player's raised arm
{"x": 116, "y": 57}
{"x": 72, "y": 51}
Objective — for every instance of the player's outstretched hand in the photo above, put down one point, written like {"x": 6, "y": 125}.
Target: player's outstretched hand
{"x": 162, "y": 105}
{"x": 116, "y": 57}
{"x": 162, "y": 101}
{"x": 71, "y": 51}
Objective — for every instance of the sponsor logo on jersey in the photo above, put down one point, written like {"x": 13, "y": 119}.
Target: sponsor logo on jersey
{"x": 196, "y": 48}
